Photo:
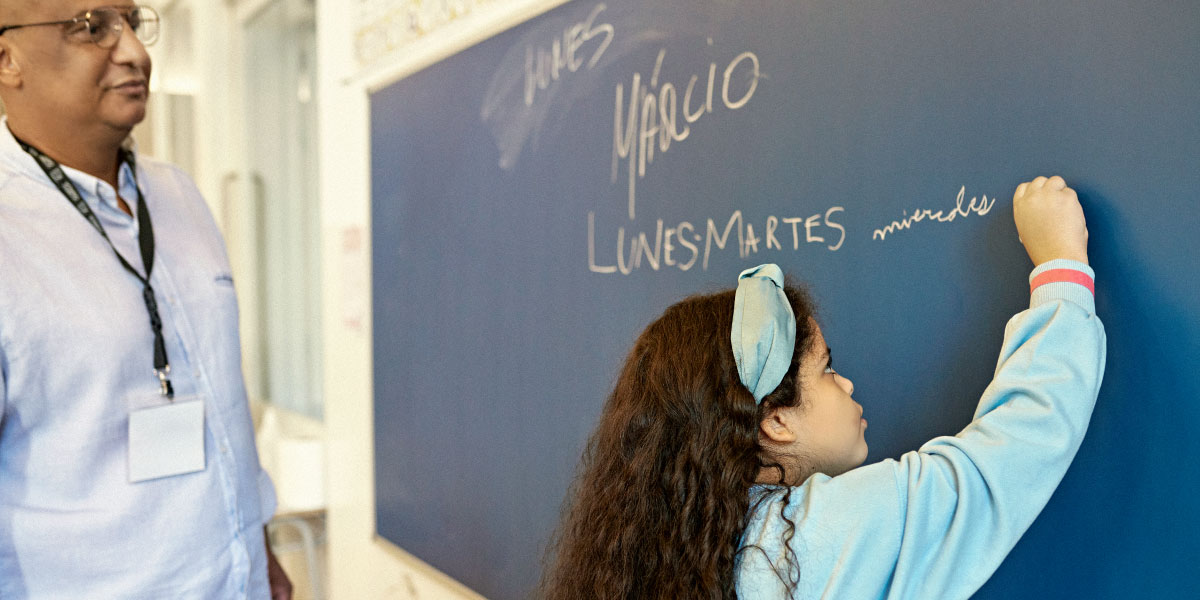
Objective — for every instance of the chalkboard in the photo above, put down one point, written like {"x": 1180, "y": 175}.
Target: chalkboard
{"x": 538, "y": 198}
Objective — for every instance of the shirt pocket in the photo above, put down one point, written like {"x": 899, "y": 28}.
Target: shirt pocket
{"x": 219, "y": 325}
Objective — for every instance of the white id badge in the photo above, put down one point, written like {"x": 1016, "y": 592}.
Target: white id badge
{"x": 166, "y": 440}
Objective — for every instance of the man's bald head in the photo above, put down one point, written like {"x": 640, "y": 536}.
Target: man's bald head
{"x": 15, "y": 12}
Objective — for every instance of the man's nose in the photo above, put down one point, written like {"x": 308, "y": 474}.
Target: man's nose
{"x": 129, "y": 49}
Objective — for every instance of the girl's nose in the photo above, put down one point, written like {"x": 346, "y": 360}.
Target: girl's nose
{"x": 846, "y": 384}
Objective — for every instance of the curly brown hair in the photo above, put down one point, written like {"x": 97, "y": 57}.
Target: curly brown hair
{"x": 662, "y": 496}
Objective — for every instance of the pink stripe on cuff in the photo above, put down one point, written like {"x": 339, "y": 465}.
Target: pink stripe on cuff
{"x": 1063, "y": 276}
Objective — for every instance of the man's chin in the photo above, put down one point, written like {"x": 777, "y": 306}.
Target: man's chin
{"x": 127, "y": 120}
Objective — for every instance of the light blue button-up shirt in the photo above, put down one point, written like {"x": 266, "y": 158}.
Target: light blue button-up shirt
{"x": 76, "y": 357}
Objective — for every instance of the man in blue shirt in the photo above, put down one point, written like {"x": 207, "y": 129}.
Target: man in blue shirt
{"x": 127, "y": 459}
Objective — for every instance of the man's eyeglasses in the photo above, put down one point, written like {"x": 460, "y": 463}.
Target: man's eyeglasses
{"x": 103, "y": 26}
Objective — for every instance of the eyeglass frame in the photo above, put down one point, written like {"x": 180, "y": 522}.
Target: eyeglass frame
{"x": 122, "y": 22}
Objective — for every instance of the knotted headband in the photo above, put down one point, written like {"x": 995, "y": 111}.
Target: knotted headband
{"x": 764, "y": 329}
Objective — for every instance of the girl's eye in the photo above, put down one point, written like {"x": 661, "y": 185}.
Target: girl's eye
{"x": 829, "y": 370}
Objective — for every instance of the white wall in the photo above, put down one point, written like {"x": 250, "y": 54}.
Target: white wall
{"x": 362, "y": 566}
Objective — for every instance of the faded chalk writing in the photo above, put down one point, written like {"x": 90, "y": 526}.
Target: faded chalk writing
{"x": 541, "y": 75}
{"x": 544, "y": 66}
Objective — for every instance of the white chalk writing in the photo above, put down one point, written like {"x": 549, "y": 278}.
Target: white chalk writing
{"x": 657, "y": 116}
{"x": 686, "y": 245}
{"x": 977, "y": 206}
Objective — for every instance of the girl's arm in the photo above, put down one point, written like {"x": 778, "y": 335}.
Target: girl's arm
{"x": 966, "y": 500}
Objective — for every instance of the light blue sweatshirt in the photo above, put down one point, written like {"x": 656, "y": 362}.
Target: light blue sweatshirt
{"x": 937, "y": 522}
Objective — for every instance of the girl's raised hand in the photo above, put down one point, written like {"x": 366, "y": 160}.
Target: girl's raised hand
{"x": 1050, "y": 220}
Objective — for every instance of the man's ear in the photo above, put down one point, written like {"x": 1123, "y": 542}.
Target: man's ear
{"x": 778, "y": 427}
{"x": 10, "y": 71}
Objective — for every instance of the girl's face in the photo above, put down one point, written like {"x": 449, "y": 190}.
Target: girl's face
{"x": 828, "y": 424}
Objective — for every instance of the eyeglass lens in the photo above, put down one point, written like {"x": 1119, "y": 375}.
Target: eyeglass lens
{"x": 103, "y": 26}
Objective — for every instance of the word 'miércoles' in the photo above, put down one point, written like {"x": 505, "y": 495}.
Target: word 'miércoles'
{"x": 977, "y": 206}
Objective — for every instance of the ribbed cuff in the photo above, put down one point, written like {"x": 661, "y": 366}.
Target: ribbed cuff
{"x": 1066, "y": 286}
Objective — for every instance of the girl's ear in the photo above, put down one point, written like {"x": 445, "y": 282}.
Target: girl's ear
{"x": 778, "y": 426}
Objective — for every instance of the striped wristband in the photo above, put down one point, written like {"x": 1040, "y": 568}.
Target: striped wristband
{"x": 1063, "y": 276}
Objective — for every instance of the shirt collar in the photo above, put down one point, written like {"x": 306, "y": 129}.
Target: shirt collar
{"x": 94, "y": 190}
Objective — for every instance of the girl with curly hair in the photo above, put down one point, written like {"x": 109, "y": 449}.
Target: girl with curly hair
{"x": 726, "y": 463}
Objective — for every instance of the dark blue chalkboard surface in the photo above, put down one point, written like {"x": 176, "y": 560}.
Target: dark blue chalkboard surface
{"x": 538, "y": 198}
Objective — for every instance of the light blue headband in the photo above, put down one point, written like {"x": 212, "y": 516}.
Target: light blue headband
{"x": 764, "y": 330}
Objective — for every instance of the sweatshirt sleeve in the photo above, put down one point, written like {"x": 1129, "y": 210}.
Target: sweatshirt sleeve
{"x": 966, "y": 500}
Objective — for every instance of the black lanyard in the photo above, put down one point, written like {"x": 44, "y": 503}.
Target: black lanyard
{"x": 54, "y": 171}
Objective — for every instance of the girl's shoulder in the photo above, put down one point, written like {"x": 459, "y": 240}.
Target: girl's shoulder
{"x": 824, "y": 526}
{"x": 868, "y": 493}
